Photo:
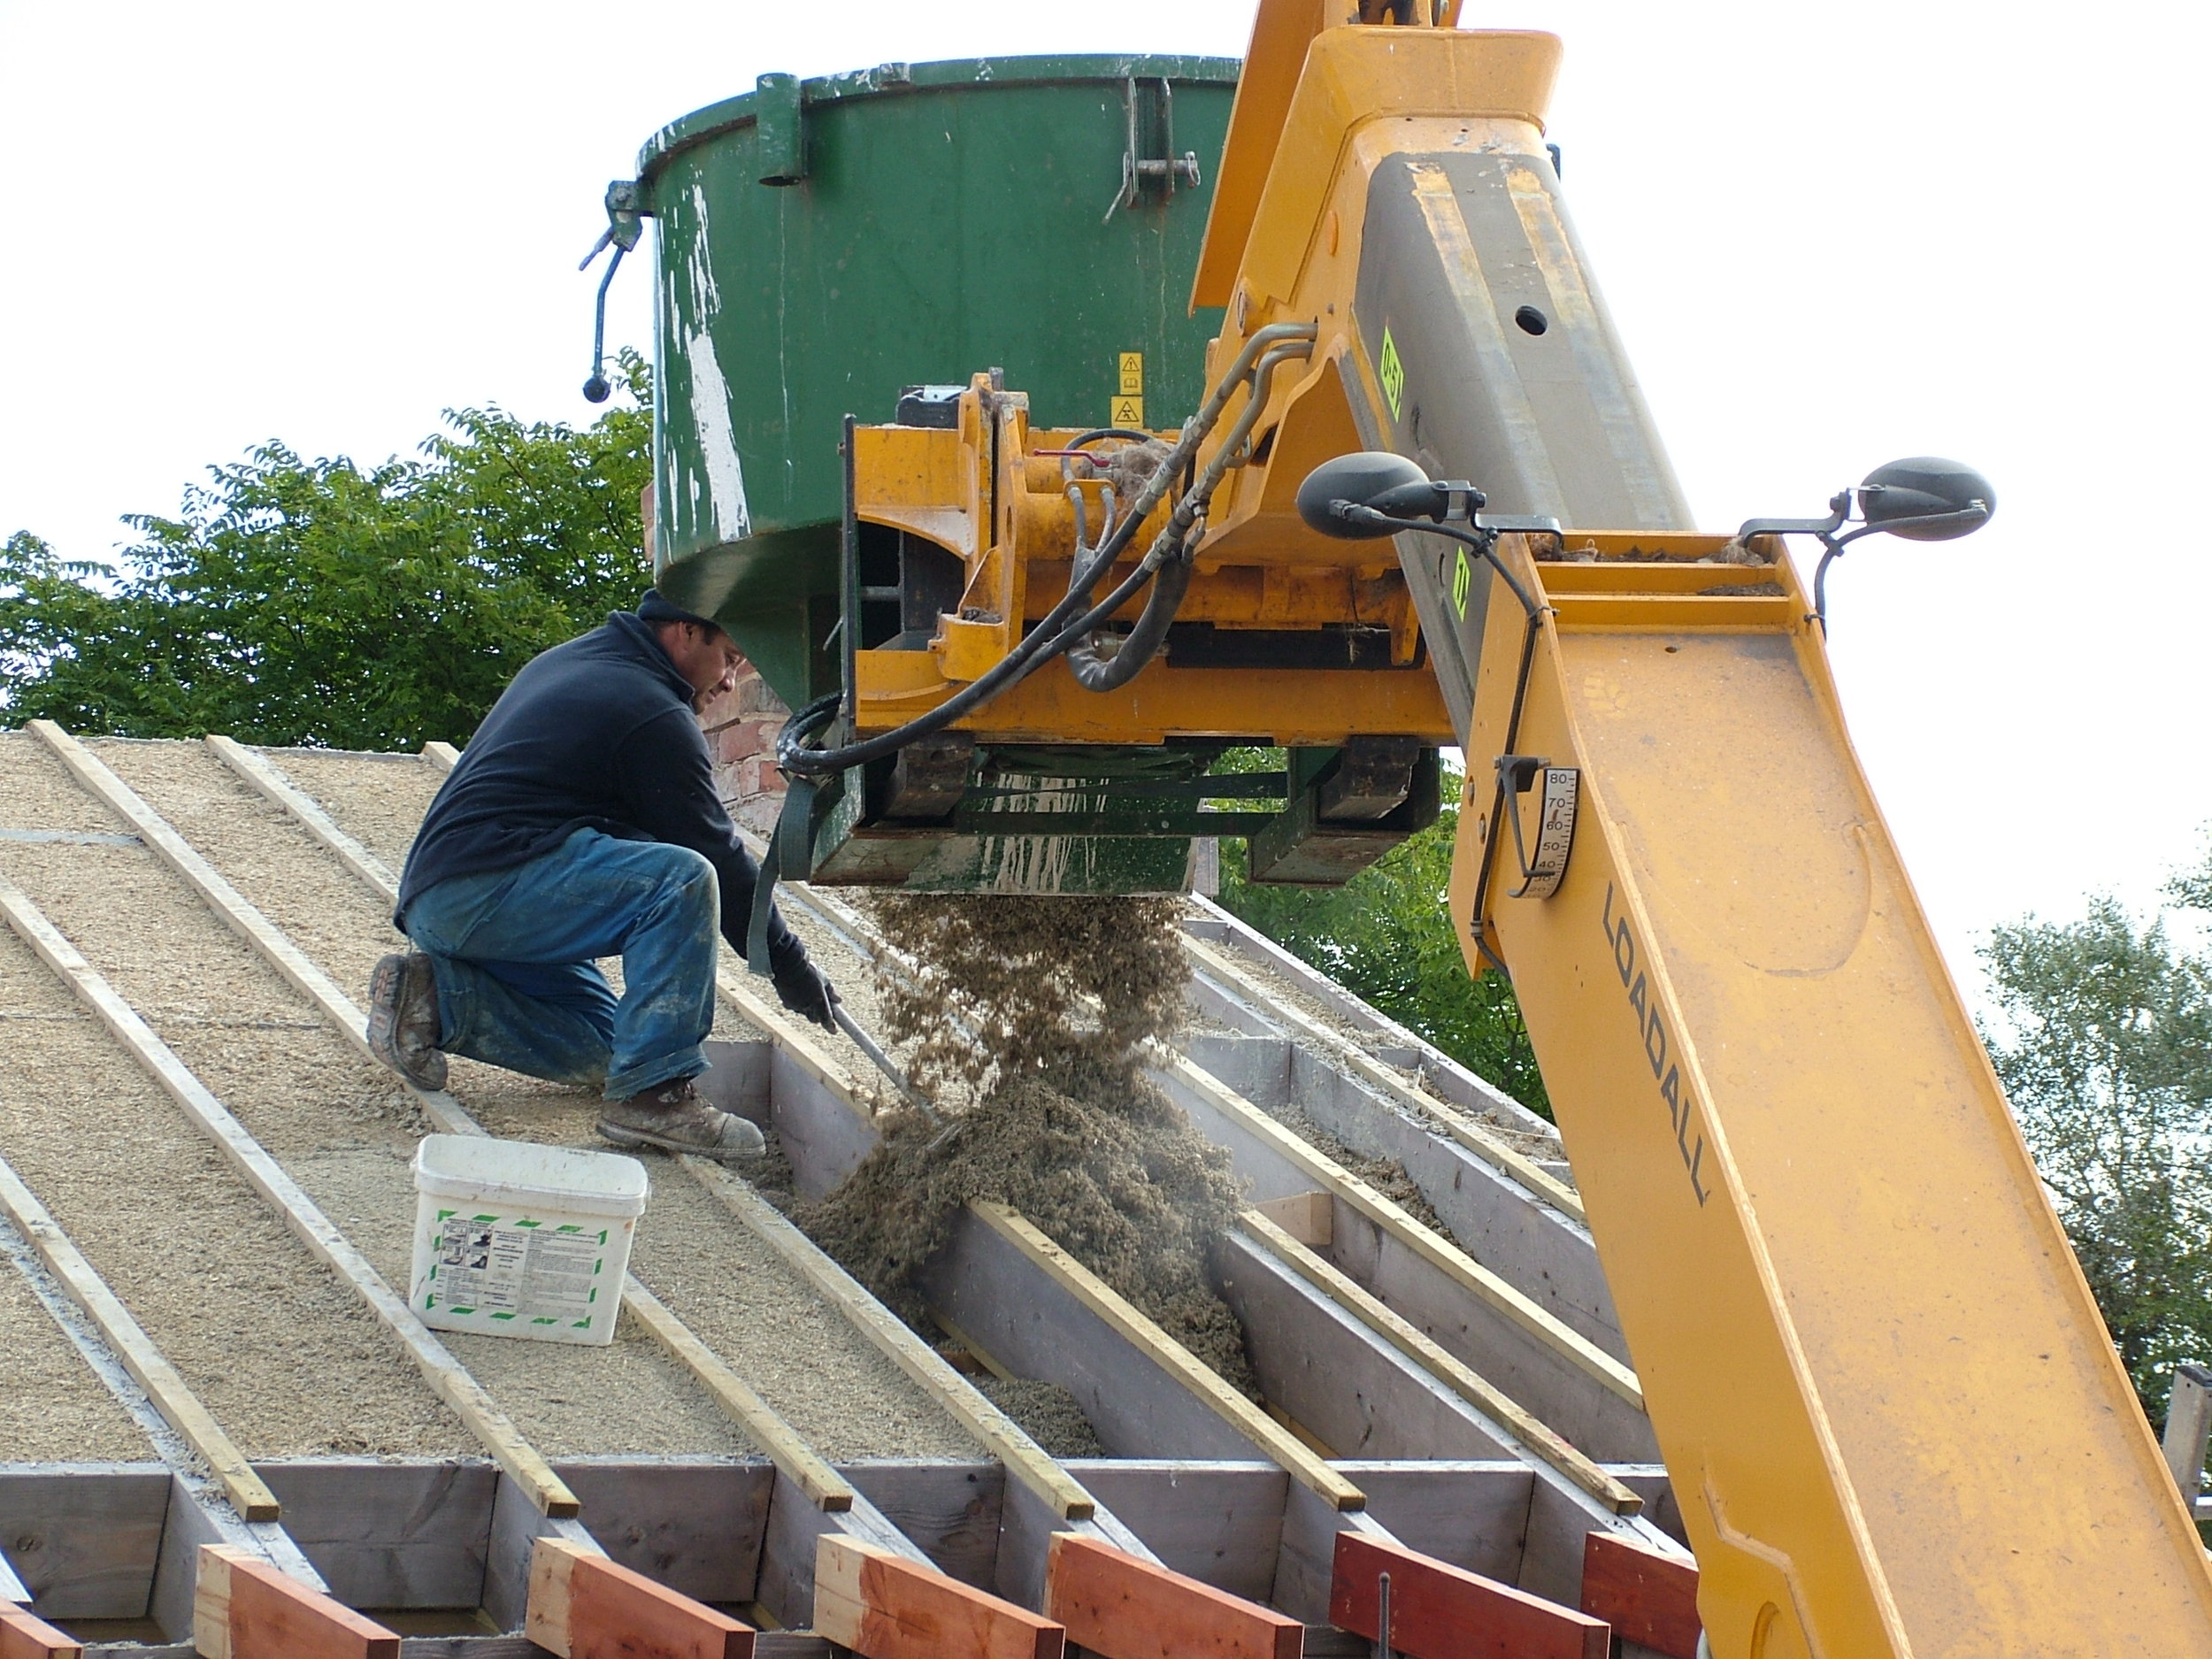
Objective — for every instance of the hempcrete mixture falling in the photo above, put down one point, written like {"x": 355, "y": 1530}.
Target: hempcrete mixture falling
{"x": 1027, "y": 1017}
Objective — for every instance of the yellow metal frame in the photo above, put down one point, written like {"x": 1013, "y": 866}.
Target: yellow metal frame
{"x": 939, "y": 484}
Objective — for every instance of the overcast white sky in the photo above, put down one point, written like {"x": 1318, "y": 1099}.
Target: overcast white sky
{"x": 1832, "y": 235}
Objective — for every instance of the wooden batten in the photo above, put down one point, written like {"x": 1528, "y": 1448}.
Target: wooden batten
{"x": 1005, "y": 1439}
{"x": 149, "y": 1367}
{"x": 23, "y": 1635}
{"x": 1467, "y": 1134}
{"x": 1308, "y": 1218}
{"x": 1303, "y": 1465}
{"x": 1439, "y": 1611}
{"x": 273, "y": 787}
{"x": 1588, "y": 1395}
{"x": 246, "y": 1610}
{"x": 1121, "y": 1607}
{"x": 884, "y": 1607}
{"x": 443, "y": 756}
{"x": 1646, "y": 1597}
{"x": 583, "y": 1606}
{"x": 1535, "y": 1436}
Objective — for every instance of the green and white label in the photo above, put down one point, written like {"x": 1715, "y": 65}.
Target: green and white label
{"x": 516, "y": 1271}
{"x": 1392, "y": 373}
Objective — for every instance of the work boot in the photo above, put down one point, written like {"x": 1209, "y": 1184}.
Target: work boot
{"x": 404, "y": 1019}
{"x": 675, "y": 1117}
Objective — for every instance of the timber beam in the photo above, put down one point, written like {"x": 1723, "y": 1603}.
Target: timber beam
{"x": 245, "y": 1608}
{"x": 884, "y": 1607}
{"x": 1121, "y": 1607}
{"x": 1435, "y": 1610}
{"x": 583, "y": 1606}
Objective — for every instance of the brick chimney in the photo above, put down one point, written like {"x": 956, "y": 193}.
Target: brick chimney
{"x": 740, "y": 726}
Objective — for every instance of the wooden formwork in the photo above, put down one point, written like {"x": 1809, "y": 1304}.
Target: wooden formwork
{"x": 1413, "y": 1393}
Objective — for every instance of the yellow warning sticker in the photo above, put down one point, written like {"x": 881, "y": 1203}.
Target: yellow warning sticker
{"x": 1131, "y": 374}
{"x": 1462, "y": 579}
{"x": 1392, "y": 372}
{"x": 1128, "y": 412}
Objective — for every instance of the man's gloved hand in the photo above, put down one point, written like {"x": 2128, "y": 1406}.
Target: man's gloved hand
{"x": 806, "y": 991}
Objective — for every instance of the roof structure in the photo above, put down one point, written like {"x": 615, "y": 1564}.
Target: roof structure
{"x": 211, "y": 1382}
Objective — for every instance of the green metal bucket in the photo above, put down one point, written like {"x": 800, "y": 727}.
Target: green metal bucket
{"x": 824, "y": 244}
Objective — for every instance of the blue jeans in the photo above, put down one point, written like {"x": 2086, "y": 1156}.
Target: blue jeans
{"x": 513, "y": 953}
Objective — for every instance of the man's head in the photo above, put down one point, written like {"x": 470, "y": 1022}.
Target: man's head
{"x": 703, "y": 653}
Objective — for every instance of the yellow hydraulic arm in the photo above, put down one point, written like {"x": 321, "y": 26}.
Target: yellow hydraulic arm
{"x": 1892, "y": 1416}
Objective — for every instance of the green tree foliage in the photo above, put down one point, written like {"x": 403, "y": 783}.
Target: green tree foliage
{"x": 1386, "y": 936}
{"x": 2107, "y": 1054}
{"x": 295, "y": 601}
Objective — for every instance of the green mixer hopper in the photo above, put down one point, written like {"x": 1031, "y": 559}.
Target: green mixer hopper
{"x": 825, "y": 243}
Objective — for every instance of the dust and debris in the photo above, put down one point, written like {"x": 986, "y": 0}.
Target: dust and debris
{"x": 1034, "y": 1010}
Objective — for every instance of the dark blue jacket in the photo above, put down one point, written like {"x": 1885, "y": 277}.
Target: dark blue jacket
{"x": 597, "y": 733}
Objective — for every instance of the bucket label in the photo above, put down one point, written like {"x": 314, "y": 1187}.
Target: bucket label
{"x": 519, "y": 1270}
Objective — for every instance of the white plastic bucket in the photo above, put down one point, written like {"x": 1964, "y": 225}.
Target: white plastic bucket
{"x": 518, "y": 1240}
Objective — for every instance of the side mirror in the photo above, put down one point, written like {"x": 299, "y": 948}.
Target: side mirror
{"x": 1368, "y": 494}
{"x": 1927, "y": 499}
{"x": 1924, "y": 499}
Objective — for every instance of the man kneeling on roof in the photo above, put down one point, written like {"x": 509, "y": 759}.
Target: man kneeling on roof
{"x": 583, "y": 822}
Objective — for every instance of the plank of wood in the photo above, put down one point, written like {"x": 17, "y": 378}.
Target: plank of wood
{"x": 694, "y": 1522}
{"x": 1524, "y": 1425}
{"x": 954, "y": 1508}
{"x": 1214, "y": 924}
{"x": 1308, "y": 1218}
{"x": 1219, "y": 1523}
{"x": 1487, "y": 1146}
{"x": 279, "y": 790}
{"x": 2188, "y": 1425}
{"x": 784, "y": 1587}
{"x": 443, "y": 756}
{"x": 1644, "y": 1596}
{"x": 1325, "y": 1377}
{"x": 782, "y": 1028}
{"x": 390, "y": 1534}
{"x": 1440, "y": 1611}
{"x": 491, "y": 1426}
{"x": 1474, "y": 1514}
{"x": 1171, "y": 1356}
{"x": 583, "y": 1606}
{"x": 179, "y": 1406}
{"x": 1025, "y": 1461}
{"x": 84, "y": 1539}
{"x": 883, "y": 1608}
{"x": 23, "y": 1635}
{"x": 823, "y": 1485}
{"x": 245, "y": 1608}
{"x": 1438, "y": 1253}
{"x": 1122, "y": 1607}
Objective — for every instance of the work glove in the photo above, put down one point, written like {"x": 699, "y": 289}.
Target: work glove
{"x": 806, "y": 991}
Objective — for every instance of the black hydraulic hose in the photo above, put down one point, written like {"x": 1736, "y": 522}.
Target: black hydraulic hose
{"x": 1032, "y": 654}
{"x": 1096, "y": 673}
{"x": 1053, "y": 634}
